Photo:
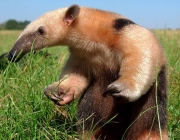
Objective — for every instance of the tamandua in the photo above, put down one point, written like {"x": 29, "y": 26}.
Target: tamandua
{"x": 116, "y": 67}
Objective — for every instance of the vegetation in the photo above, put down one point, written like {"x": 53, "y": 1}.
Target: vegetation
{"x": 171, "y": 42}
{"x": 25, "y": 112}
{"x": 14, "y": 25}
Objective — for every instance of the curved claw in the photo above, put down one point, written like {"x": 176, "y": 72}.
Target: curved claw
{"x": 54, "y": 97}
{"x": 112, "y": 89}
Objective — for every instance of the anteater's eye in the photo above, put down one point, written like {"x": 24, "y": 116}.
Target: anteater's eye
{"x": 41, "y": 31}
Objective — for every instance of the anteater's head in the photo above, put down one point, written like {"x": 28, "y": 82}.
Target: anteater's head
{"x": 48, "y": 30}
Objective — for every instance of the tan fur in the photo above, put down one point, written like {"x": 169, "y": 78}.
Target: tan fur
{"x": 103, "y": 59}
{"x": 144, "y": 59}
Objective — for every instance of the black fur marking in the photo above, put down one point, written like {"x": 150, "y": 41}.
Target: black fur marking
{"x": 120, "y": 23}
{"x": 162, "y": 96}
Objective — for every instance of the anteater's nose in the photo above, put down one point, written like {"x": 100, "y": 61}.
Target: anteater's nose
{"x": 11, "y": 56}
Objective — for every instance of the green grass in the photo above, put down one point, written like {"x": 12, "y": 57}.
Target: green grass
{"x": 25, "y": 112}
{"x": 171, "y": 42}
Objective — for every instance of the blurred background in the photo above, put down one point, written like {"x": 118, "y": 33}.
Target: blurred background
{"x": 152, "y": 14}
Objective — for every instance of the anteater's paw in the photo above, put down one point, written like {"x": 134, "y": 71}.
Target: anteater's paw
{"x": 121, "y": 90}
{"x": 60, "y": 94}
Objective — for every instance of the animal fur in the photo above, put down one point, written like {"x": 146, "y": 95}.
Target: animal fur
{"x": 117, "y": 67}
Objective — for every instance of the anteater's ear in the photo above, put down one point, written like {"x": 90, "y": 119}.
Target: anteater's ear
{"x": 71, "y": 14}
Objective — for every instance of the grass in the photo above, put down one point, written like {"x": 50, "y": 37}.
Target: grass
{"x": 171, "y": 42}
{"x": 25, "y": 112}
